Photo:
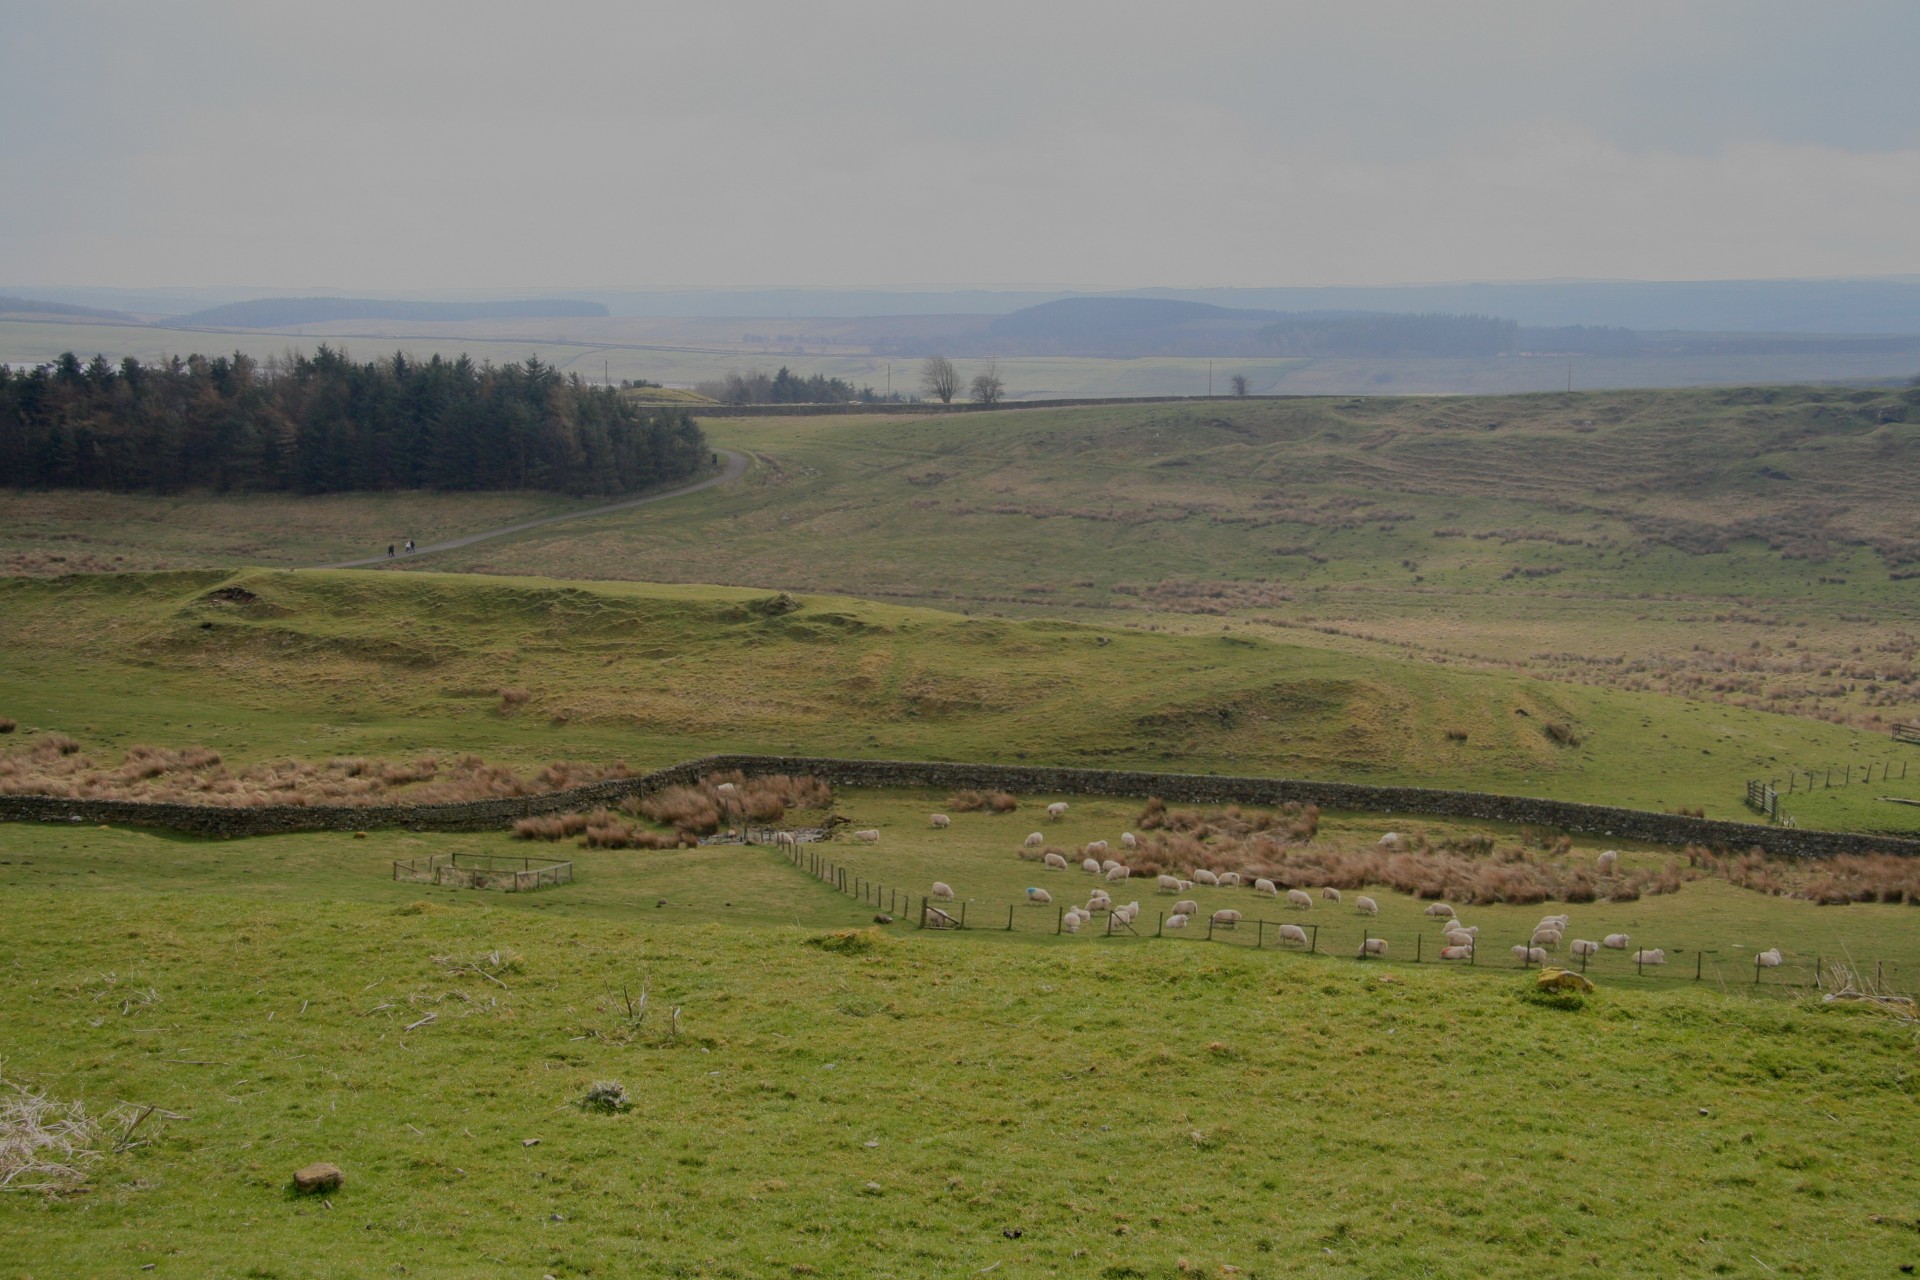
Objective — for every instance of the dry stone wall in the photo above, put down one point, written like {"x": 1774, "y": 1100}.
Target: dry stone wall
{"x": 1183, "y": 788}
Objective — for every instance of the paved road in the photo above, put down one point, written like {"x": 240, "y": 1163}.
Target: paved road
{"x": 736, "y": 464}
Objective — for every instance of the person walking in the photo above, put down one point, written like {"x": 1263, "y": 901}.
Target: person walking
{"x": 409, "y": 546}
{"x": 389, "y": 551}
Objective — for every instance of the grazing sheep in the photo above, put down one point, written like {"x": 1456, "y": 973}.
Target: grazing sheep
{"x": 1532, "y": 955}
{"x": 1372, "y": 947}
{"x": 1034, "y": 841}
{"x": 1440, "y": 910}
{"x": 1457, "y": 951}
{"x": 1055, "y": 862}
{"x": 1455, "y": 938}
{"x": 1606, "y": 862}
{"x": 1454, "y": 926}
{"x": 1391, "y": 840}
{"x": 1618, "y": 941}
{"x": 1366, "y": 906}
{"x": 785, "y": 841}
{"x": 1098, "y": 902}
{"x": 941, "y": 822}
{"x": 724, "y": 789}
{"x": 1091, "y": 866}
{"x": 1169, "y": 884}
{"x": 1096, "y": 848}
{"x": 1070, "y": 923}
{"x": 1057, "y": 810}
{"x": 1552, "y": 922}
{"x": 1653, "y": 956}
{"x": 1768, "y": 959}
{"x": 1228, "y": 879}
{"x": 1186, "y": 907}
{"x": 870, "y": 836}
{"x": 1330, "y": 894}
{"x": 1128, "y": 840}
{"x": 1583, "y": 947}
{"x": 942, "y": 892}
{"x": 1226, "y": 918}
{"x": 1185, "y": 885}
{"x": 1118, "y": 873}
{"x": 1548, "y": 938}
{"x": 1178, "y": 920}
{"x": 1300, "y": 898}
{"x": 1107, "y": 864}
{"x": 1039, "y": 896}
{"x": 1203, "y": 876}
{"x": 1267, "y": 887}
{"x": 1293, "y": 933}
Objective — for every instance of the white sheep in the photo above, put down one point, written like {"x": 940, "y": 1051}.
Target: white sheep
{"x": 1293, "y": 933}
{"x": 1532, "y": 955}
{"x": 1091, "y": 866}
{"x": 1034, "y": 841}
{"x": 1203, "y": 876}
{"x": 1454, "y": 926}
{"x": 1617, "y": 941}
{"x": 1440, "y": 910}
{"x": 1267, "y": 887}
{"x": 1186, "y": 907}
{"x": 1039, "y": 896}
{"x": 1128, "y": 840}
{"x": 1107, "y": 864}
{"x": 1366, "y": 906}
{"x": 1057, "y": 810}
{"x": 1552, "y": 922}
{"x": 1548, "y": 938}
{"x": 1372, "y": 947}
{"x": 1055, "y": 862}
{"x": 1226, "y": 918}
{"x": 1653, "y": 956}
{"x": 1768, "y": 959}
{"x": 1455, "y": 938}
{"x": 1097, "y": 902}
{"x": 1185, "y": 885}
{"x": 1096, "y": 848}
{"x": 1457, "y": 951}
{"x": 1606, "y": 862}
{"x": 941, "y": 822}
{"x": 1070, "y": 923}
{"x": 724, "y": 789}
{"x": 1169, "y": 884}
{"x": 1118, "y": 873}
{"x": 786, "y": 841}
{"x": 1126, "y": 914}
{"x": 1178, "y": 920}
{"x": 942, "y": 892}
{"x": 1300, "y": 898}
{"x": 870, "y": 836}
{"x": 1228, "y": 879}
{"x": 1330, "y": 894}
{"x": 1583, "y": 947}
{"x": 1391, "y": 840}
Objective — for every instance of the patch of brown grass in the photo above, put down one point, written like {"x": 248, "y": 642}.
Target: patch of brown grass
{"x": 703, "y": 808}
{"x": 982, "y": 802}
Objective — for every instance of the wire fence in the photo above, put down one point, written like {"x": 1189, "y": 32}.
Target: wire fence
{"x": 484, "y": 871}
{"x": 1351, "y": 936}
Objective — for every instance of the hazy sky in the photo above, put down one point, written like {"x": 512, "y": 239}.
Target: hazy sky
{"x": 401, "y": 145}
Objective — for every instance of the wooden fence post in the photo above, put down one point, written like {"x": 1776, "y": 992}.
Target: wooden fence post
{"x": 1313, "y": 943}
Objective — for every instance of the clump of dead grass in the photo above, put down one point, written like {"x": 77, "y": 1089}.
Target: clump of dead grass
{"x": 48, "y": 1145}
{"x": 703, "y": 808}
{"x": 982, "y": 802}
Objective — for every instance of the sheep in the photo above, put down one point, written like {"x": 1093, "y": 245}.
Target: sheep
{"x": 1391, "y": 840}
{"x": 1228, "y": 879}
{"x": 1057, "y": 810}
{"x": 1267, "y": 887}
{"x": 1457, "y": 951}
{"x": 1096, "y": 848}
{"x": 1186, "y": 907}
{"x": 1372, "y": 947}
{"x": 724, "y": 789}
{"x": 1178, "y": 920}
{"x": 1768, "y": 959}
{"x": 1107, "y": 864}
{"x": 1300, "y": 898}
{"x": 1293, "y": 933}
{"x": 941, "y": 822}
{"x": 942, "y": 892}
{"x": 1529, "y": 955}
{"x": 1653, "y": 956}
{"x": 1618, "y": 941}
{"x": 1583, "y": 947}
{"x": 1226, "y": 918}
{"x": 1606, "y": 862}
{"x": 1330, "y": 894}
{"x": 1034, "y": 841}
{"x": 1366, "y": 906}
{"x": 1099, "y": 901}
{"x": 1440, "y": 910}
{"x": 1185, "y": 885}
{"x": 1454, "y": 938}
{"x": 1118, "y": 873}
{"x": 1169, "y": 884}
{"x": 869, "y": 836}
{"x": 785, "y": 841}
{"x": 1128, "y": 840}
{"x": 1552, "y": 922}
{"x": 1055, "y": 862}
{"x": 1548, "y": 938}
{"x": 1203, "y": 876}
{"x": 1039, "y": 897}
{"x": 1454, "y": 926}
{"x": 1070, "y": 923}
{"x": 1091, "y": 866}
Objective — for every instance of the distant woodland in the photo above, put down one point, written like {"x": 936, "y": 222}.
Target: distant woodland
{"x": 325, "y": 424}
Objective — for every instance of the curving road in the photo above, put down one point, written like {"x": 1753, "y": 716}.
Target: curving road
{"x": 736, "y": 465}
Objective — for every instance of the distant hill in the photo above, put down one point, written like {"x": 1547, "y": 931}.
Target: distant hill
{"x": 37, "y": 307}
{"x": 282, "y": 313}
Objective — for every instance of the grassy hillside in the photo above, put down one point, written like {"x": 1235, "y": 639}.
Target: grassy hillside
{"x": 907, "y": 1105}
{"x": 373, "y": 663}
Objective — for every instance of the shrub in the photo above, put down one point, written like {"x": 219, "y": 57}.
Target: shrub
{"x": 849, "y": 942}
{"x": 606, "y": 1097}
{"x": 8, "y": 726}
{"x": 512, "y": 699}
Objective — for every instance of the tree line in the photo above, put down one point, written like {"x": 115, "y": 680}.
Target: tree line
{"x": 326, "y": 424}
{"x": 787, "y": 387}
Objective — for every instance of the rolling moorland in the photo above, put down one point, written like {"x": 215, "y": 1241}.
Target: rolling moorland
{"x": 1609, "y": 598}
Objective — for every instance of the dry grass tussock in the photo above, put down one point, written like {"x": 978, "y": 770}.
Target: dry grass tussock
{"x": 54, "y": 765}
{"x": 982, "y": 802}
{"x": 600, "y": 829}
{"x": 48, "y": 1145}
{"x": 704, "y": 808}
{"x": 1871, "y": 877}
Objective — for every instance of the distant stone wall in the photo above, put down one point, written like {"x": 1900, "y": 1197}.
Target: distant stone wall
{"x": 1184, "y": 788}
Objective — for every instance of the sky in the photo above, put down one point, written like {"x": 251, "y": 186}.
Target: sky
{"x": 420, "y": 145}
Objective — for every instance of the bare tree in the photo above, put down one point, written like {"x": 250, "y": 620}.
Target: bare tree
{"x": 939, "y": 379}
{"x": 987, "y": 387}
{"x": 1239, "y": 384}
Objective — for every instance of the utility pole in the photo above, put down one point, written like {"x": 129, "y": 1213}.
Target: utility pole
{"x": 1209, "y": 379}
{"x": 889, "y": 379}
{"x": 1569, "y": 377}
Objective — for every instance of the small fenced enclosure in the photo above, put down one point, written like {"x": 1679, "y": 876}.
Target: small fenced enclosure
{"x": 1762, "y": 798}
{"x": 484, "y": 871}
{"x": 1909, "y": 733}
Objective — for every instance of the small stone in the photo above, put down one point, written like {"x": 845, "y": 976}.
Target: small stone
{"x": 1703, "y": 1111}
{"x": 883, "y": 918}
{"x": 529, "y": 1142}
{"x": 318, "y": 1177}
{"x": 558, "y": 1217}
